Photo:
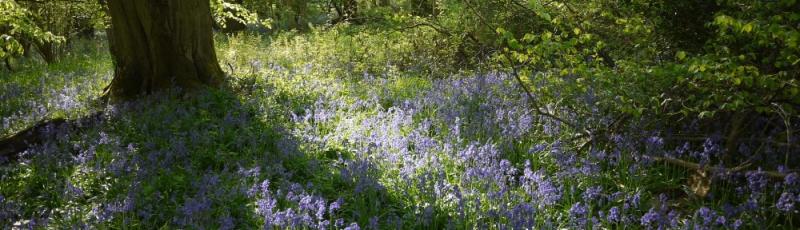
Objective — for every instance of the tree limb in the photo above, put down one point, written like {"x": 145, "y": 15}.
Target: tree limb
{"x": 695, "y": 166}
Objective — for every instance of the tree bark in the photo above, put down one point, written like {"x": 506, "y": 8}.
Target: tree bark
{"x": 161, "y": 44}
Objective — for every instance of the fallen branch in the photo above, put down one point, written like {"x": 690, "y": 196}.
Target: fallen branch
{"x": 695, "y": 166}
{"x": 11, "y": 146}
{"x": 703, "y": 138}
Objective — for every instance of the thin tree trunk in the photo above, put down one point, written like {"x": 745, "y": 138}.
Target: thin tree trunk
{"x": 45, "y": 49}
{"x": 8, "y": 64}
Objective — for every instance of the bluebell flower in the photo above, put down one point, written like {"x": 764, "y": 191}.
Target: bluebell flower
{"x": 592, "y": 195}
{"x": 654, "y": 145}
{"x": 614, "y": 215}
{"x": 324, "y": 224}
{"x": 707, "y": 215}
{"x": 636, "y": 198}
{"x": 578, "y": 214}
{"x": 720, "y": 221}
{"x": 336, "y": 205}
{"x": 737, "y": 224}
{"x": 792, "y": 180}
{"x": 757, "y": 182}
{"x": 373, "y": 222}
{"x": 786, "y": 202}
{"x": 652, "y": 218}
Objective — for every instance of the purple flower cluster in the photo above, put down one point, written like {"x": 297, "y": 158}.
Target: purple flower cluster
{"x": 9, "y": 211}
{"x": 309, "y": 211}
{"x": 462, "y": 152}
{"x": 468, "y": 113}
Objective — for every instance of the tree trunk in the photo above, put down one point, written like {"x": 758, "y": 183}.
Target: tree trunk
{"x": 45, "y": 49}
{"x": 296, "y": 13}
{"x": 161, "y": 44}
{"x": 8, "y": 64}
{"x": 156, "y": 45}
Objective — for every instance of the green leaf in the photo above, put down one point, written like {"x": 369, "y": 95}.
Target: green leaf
{"x": 747, "y": 27}
{"x": 514, "y": 44}
{"x": 547, "y": 36}
{"x": 681, "y": 55}
{"x": 177, "y": 178}
{"x": 545, "y": 15}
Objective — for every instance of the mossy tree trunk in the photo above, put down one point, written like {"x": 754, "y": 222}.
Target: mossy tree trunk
{"x": 160, "y": 44}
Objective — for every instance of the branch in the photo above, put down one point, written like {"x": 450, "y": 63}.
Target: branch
{"x": 763, "y": 140}
{"x": 421, "y": 24}
{"x": 695, "y": 166}
{"x": 480, "y": 16}
{"x": 528, "y": 92}
{"x": 11, "y": 146}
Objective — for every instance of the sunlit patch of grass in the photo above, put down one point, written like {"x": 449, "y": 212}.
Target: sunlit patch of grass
{"x": 66, "y": 88}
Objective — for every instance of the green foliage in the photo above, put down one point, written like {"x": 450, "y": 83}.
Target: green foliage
{"x": 746, "y": 66}
{"x": 48, "y": 26}
{"x": 17, "y": 26}
{"x": 682, "y": 24}
{"x": 750, "y": 63}
{"x": 225, "y": 10}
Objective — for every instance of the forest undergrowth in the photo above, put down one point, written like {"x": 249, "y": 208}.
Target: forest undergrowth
{"x": 353, "y": 128}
